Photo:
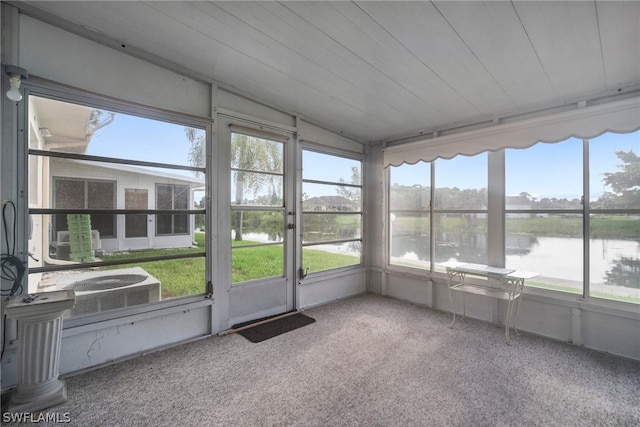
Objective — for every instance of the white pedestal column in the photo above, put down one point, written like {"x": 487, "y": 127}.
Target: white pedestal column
{"x": 39, "y": 335}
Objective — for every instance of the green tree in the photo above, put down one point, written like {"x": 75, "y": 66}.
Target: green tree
{"x": 352, "y": 193}
{"x": 625, "y": 184}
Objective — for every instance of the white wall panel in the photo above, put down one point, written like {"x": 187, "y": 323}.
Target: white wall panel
{"x": 410, "y": 289}
{"x": 322, "y": 291}
{"x": 239, "y": 104}
{"x": 93, "y": 345}
{"x": 612, "y": 334}
{"x": 308, "y": 132}
{"x": 550, "y": 320}
{"x": 374, "y": 281}
{"x": 54, "y": 54}
{"x": 103, "y": 345}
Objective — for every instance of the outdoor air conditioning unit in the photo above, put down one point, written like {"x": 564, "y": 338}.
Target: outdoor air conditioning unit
{"x": 98, "y": 291}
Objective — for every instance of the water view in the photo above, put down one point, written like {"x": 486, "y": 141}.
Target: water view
{"x": 614, "y": 265}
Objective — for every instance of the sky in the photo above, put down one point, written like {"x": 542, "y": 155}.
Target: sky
{"x": 544, "y": 170}
{"x": 142, "y": 139}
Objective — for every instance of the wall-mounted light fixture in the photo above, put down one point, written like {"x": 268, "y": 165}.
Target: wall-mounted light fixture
{"x": 16, "y": 75}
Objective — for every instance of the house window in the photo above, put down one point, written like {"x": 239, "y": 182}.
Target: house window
{"x": 90, "y": 194}
{"x": 102, "y": 176}
{"x": 172, "y": 197}
{"x": 331, "y": 211}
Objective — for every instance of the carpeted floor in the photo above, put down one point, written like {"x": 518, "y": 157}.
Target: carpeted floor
{"x": 366, "y": 361}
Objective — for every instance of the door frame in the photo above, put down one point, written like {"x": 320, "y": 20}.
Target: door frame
{"x": 268, "y": 296}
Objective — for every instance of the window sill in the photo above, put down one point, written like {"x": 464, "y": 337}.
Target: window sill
{"x": 322, "y": 276}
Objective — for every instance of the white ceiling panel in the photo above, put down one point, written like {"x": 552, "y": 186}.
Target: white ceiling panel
{"x": 422, "y": 30}
{"x": 581, "y": 55}
{"x": 619, "y": 28}
{"x": 380, "y": 70}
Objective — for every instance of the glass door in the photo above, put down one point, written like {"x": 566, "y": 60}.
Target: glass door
{"x": 262, "y": 225}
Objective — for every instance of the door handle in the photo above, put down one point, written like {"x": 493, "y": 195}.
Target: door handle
{"x": 291, "y": 226}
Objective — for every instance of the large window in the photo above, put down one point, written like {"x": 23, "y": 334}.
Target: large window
{"x": 544, "y": 213}
{"x": 257, "y": 208}
{"x": 410, "y": 215}
{"x": 331, "y": 211}
{"x": 571, "y": 212}
{"x": 614, "y": 216}
{"x": 94, "y": 171}
{"x": 453, "y": 211}
{"x": 460, "y": 209}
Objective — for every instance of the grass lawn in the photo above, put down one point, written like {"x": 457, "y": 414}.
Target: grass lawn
{"x": 183, "y": 277}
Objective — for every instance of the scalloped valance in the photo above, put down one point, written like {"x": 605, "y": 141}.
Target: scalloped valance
{"x": 620, "y": 116}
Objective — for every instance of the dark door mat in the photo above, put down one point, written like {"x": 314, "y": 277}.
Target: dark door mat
{"x": 273, "y": 328}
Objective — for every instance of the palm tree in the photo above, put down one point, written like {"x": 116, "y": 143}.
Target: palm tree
{"x": 197, "y": 151}
{"x": 255, "y": 163}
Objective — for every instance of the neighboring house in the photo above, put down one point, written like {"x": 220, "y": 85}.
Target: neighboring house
{"x": 108, "y": 186}
{"x": 518, "y": 203}
{"x": 328, "y": 203}
{"x": 70, "y": 183}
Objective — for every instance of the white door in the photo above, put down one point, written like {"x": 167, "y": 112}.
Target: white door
{"x": 136, "y": 226}
{"x": 262, "y": 223}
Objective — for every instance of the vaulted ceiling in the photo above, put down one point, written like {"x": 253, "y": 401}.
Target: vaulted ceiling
{"x": 380, "y": 70}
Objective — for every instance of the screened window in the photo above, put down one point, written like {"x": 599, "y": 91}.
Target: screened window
{"x": 94, "y": 171}
{"x": 453, "y": 226}
{"x": 460, "y": 209}
{"x": 331, "y": 211}
{"x": 410, "y": 215}
{"x": 614, "y": 216}
{"x": 257, "y": 208}
{"x": 544, "y": 213}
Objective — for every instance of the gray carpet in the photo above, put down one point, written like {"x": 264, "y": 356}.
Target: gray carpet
{"x": 366, "y": 361}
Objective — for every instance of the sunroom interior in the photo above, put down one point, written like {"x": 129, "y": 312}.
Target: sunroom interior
{"x": 229, "y": 161}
